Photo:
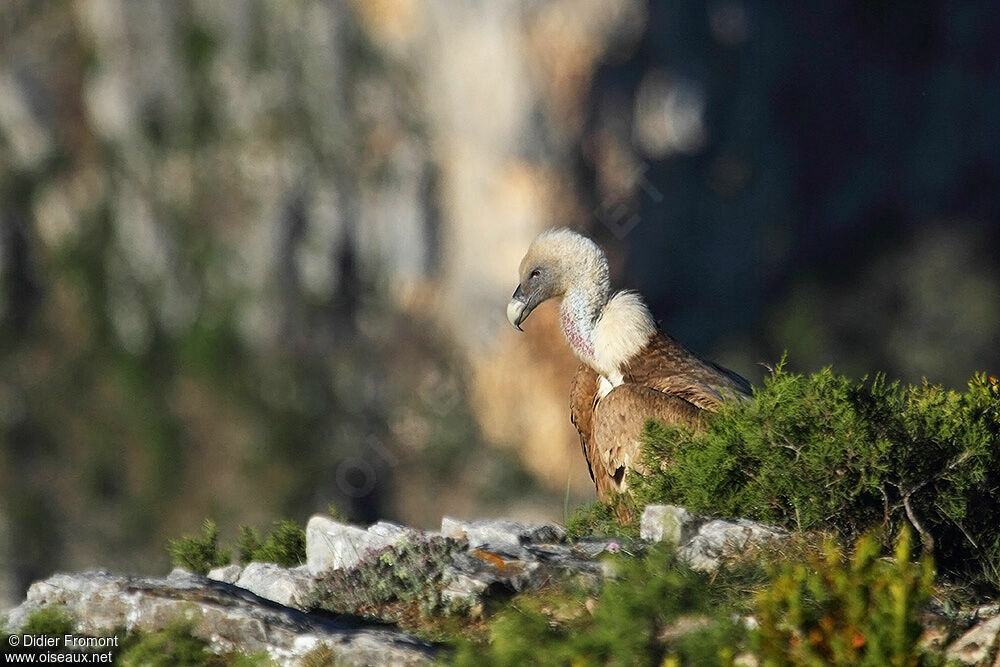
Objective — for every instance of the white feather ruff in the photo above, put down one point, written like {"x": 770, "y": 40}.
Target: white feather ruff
{"x": 623, "y": 329}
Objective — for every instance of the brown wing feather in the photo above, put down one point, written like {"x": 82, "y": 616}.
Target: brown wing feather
{"x": 667, "y": 366}
{"x": 664, "y": 381}
{"x": 582, "y": 394}
{"x": 617, "y": 426}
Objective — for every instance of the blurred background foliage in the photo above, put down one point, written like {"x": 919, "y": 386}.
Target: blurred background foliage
{"x": 254, "y": 254}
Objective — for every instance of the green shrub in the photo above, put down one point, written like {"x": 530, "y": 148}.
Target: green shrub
{"x": 199, "y": 554}
{"x": 337, "y": 514}
{"x": 600, "y": 519}
{"x": 864, "y": 612}
{"x": 822, "y": 451}
{"x": 52, "y": 620}
{"x": 284, "y": 545}
{"x": 820, "y": 609}
{"x": 654, "y": 611}
{"x": 176, "y": 644}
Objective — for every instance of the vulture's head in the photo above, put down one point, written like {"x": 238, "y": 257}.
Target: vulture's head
{"x": 558, "y": 261}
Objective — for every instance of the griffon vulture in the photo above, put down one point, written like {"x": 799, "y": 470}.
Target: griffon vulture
{"x": 630, "y": 371}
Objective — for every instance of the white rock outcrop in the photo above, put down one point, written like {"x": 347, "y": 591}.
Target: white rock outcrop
{"x": 977, "y": 644}
{"x": 229, "y": 618}
{"x": 503, "y": 534}
{"x": 227, "y": 573}
{"x": 666, "y": 523}
{"x": 332, "y": 545}
{"x": 284, "y": 585}
{"x": 704, "y": 543}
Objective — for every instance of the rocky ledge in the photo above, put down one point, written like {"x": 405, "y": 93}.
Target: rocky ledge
{"x": 230, "y": 618}
{"x": 263, "y": 607}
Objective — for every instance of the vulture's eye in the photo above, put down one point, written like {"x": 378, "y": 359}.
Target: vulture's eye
{"x": 536, "y": 273}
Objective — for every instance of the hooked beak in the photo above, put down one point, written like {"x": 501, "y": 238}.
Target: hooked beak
{"x": 517, "y": 309}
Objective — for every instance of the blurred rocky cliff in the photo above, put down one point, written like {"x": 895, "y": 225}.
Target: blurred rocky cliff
{"x": 254, "y": 255}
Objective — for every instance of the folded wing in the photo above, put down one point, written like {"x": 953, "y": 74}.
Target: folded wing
{"x": 665, "y": 382}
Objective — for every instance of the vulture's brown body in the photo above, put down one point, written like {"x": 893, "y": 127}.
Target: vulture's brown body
{"x": 630, "y": 371}
{"x": 666, "y": 382}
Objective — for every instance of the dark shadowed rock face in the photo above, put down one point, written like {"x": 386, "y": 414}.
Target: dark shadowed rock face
{"x": 228, "y": 617}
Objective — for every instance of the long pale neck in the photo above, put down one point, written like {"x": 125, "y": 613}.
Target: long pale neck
{"x": 578, "y": 316}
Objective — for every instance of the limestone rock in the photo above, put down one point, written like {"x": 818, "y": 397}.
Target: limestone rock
{"x": 987, "y": 610}
{"x": 704, "y": 543}
{"x": 227, "y": 617}
{"x": 720, "y": 539}
{"x": 258, "y": 607}
{"x": 533, "y": 567}
{"x": 516, "y": 556}
{"x": 463, "y": 592}
{"x": 590, "y": 549}
{"x": 502, "y": 534}
{"x": 227, "y": 573}
{"x": 497, "y": 570}
{"x": 666, "y": 523}
{"x": 332, "y": 545}
{"x": 975, "y": 646}
{"x": 934, "y": 637}
{"x": 287, "y": 586}
{"x": 492, "y": 555}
